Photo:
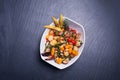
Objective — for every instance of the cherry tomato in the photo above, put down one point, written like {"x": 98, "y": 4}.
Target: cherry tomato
{"x": 73, "y": 42}
{"x": 69, "y": 40}
{"x": 74, "y": 31}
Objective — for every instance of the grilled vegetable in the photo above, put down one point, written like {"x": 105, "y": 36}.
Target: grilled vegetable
{"x": 53, "y": 27}
{"x": 61, "y": 20}
{"x": 55, "y": 21}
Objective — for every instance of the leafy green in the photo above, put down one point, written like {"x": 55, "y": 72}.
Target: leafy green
{"x": 65, "y": 25}
{"x": 81, "y": 42}
{"x": 63, "y": 34}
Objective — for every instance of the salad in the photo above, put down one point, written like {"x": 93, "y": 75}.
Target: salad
{"x": 62, "y": 41}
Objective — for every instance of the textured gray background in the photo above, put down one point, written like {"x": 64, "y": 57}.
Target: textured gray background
{"x": 21, "y": 27}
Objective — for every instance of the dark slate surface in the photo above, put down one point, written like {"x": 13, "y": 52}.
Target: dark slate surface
{"x": 21, "y": 27}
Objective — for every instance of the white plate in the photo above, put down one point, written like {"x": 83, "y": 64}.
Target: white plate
{"x": 75, "y": 26}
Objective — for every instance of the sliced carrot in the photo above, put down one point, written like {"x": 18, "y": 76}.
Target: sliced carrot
{"x": 61, "y": 48}
{"x": 47, "y": 36}
{"x": 70, "y": 50}
{"x": 75, "y": 53}
{"x": 68, "y": 46}
{"x": 52, "y": 51}
{"x": 59, "y": 60}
